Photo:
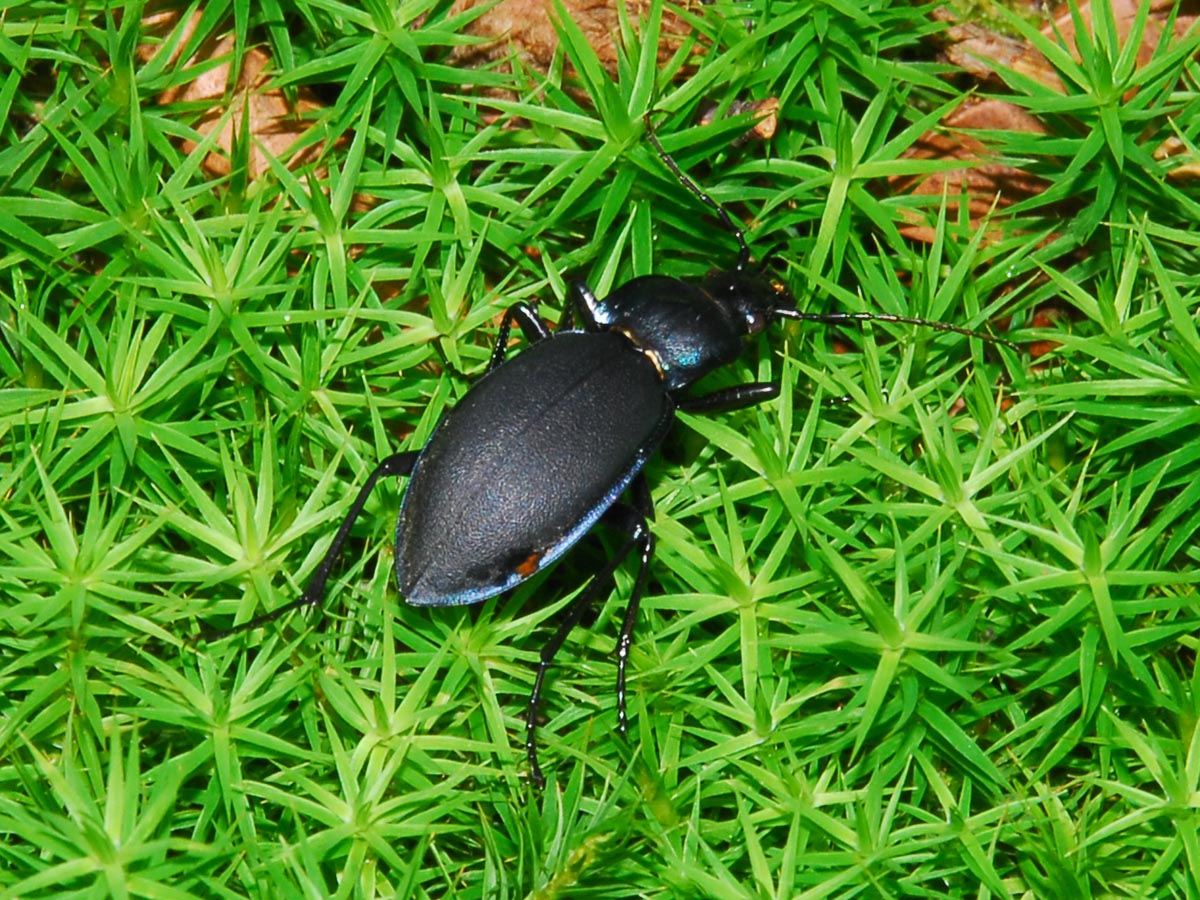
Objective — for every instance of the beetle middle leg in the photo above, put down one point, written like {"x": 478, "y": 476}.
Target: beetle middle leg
{"x": 634, "y": 519}
{"x": 583, "y": 300}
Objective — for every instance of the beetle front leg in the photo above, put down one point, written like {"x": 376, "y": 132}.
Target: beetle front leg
{"x": 532, "y": 327}
{"x": 737, "y": 397}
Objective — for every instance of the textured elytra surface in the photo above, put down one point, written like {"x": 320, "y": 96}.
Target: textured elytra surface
{"x": 524, "y": 464}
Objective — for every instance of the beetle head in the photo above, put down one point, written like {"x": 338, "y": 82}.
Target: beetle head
{"x": 752, "y": 299}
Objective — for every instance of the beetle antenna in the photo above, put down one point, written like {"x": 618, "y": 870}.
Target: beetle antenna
{"x": 722, "y": 212}
{"x": 844, "y": 317}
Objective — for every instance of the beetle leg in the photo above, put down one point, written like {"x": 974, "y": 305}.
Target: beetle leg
{"x": 584, "y": 300}
{"x": 566, "y": 321}
{"x": 396, "y": 464}
{"x": 635, "y": 522}
{"x": 643, "y": 514}
{"x": 573, "y": 614}
{"x": 532, "y": 327}
{"x": 737, "y": 397}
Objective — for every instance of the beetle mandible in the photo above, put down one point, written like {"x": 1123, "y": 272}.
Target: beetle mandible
{"x": 544, "y": 445}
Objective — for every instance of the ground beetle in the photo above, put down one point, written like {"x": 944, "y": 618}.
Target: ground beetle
{"x": 544, "y": 445}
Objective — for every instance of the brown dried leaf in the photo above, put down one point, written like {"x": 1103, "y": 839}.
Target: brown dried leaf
{"x": 988, "y": 186}
{"x": 1047, "y": 316}
{"x": 526, "y": 28}
{"x": 1187, "y": 159}
{"x": 275, "y": 125}
{"x": 1124, "y": 13}
{"x": 980, "y": 51}
{"x": 766, "y": 118}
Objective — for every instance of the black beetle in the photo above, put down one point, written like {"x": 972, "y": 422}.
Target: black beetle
{"x": 544, "y": 445}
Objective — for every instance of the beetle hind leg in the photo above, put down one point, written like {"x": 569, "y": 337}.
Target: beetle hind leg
{"x": 641, "y": 515}
{"x": 634, "y": 520}
{"x": 399, "y": 464}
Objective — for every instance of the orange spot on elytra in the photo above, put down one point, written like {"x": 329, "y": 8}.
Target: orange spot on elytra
{"x": 529, "y": 565}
